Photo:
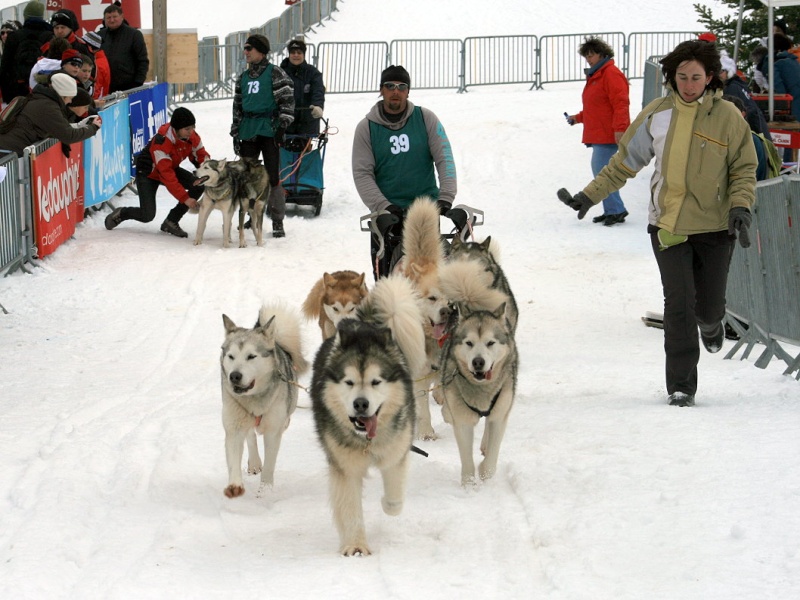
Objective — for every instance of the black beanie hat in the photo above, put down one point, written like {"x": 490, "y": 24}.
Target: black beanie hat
{"x": 259, "y": 42}
{"x": 395, "y": 73}
{"x": 296, "y": 45}
{"x": 182, "y": 117}
{"x": 66, "y": 18}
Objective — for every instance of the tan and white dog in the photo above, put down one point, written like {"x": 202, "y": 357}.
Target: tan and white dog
{"x": 333, "y": 298}
{"x": 423, "y": 257}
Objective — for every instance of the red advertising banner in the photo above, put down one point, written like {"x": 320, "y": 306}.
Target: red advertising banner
{"x": 57, "y": 196}
{"x": 90, "y": 12}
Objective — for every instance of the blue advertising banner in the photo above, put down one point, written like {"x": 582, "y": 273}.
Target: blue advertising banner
{"x": 107, "y": 155}
{"x": 148, "y": 112}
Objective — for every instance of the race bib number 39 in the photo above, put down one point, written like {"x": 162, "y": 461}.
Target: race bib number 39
{"x": 400, "y": 143}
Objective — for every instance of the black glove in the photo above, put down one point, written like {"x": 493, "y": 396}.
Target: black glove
{"x": 66, "y": 149}
{"x": 739, "y": 219}
{"x": 396, "y": 211}
{"x": 237, "y": 145}
{"x": 278, "y": 137}
{"x": 579, "y": 201}
{"x": 443, "y": 206}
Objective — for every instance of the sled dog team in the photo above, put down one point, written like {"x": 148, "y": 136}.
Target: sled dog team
{"x": 442, "y": 322}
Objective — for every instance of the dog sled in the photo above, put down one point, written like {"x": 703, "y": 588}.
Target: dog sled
{"x": 387, "y": 234}
{"x": 302, "y": 160}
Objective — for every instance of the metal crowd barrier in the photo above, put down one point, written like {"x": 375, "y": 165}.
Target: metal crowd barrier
{"x": 560, "y": 61}
{"x": 500, "y": 59}
{"x": 13, "y": 229}
{"x": 355, "y": 67}
{"x": 763, "y": 295}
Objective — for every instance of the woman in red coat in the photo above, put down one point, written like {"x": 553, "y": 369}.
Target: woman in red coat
{"x": 605, "y": 116}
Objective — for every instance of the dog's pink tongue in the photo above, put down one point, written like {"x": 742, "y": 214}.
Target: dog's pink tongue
{"x": 371, "y": 425}
{"x": 488, "y": 375}
{"x": 438, "y": 331}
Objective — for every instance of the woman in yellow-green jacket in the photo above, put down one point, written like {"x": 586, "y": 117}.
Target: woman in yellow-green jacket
{"x": 702, "y": 190}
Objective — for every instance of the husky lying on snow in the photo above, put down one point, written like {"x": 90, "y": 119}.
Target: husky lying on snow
{"x": 363, "y": 404}
{"x": 333, "y": 298}
{"x": 230, "y": 185}
{"x": 258, "y": 367}
{"x": 478, "y": 375}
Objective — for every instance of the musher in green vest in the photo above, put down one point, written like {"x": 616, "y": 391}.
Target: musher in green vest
{"x": 395, "y": 150}
{"x": 263, "y": 107}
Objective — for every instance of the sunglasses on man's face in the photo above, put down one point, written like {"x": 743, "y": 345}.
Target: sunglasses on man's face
{"x": 248, "y": 48}
{"x": 395, "y": 86}
{"x": 5, "y": 32}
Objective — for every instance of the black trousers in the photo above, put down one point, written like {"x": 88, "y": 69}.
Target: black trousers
{"x": 694, "y": 276}
{"x": 147, "y": 189}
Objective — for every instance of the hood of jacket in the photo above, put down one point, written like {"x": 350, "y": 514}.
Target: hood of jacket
{"x": 377, "y": 115}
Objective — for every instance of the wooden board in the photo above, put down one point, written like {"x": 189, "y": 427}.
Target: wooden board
{"x": 182, "y": 57}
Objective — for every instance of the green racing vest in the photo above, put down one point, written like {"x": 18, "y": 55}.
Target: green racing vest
{"x": 404, "y": 166}
{"x": 258, "y": 105}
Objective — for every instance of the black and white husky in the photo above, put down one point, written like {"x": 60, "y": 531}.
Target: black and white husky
{"x": 259, "y": 368}
{"x": 363, "y": 404}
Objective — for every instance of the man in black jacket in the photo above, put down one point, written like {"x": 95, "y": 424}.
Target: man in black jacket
{"x": 125, "y": 49}
{"x": 22, "y": 49}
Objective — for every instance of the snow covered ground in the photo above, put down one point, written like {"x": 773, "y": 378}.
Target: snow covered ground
{"x": 111, "y": 446}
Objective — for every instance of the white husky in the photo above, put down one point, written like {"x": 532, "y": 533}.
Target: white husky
{"x": 259, "y": 367}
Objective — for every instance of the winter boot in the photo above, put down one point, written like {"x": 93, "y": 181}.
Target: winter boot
{"x": 681, "y": 399}
{"x": 114, "y": 219}
{"x": 713, "y": 341}
{"x": 173, "y": 229}
{"x": 614, "y": 219}
{"x": 277, "y": 229}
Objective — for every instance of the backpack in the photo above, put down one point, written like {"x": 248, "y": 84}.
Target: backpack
{"x": 774, "y": 160}
{"x": 10, "y": 113}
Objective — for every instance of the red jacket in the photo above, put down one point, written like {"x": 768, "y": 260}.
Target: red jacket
{"x": 606, "y": 105}
{"x": 102, "y": 75}
{"x": 168, "y": 156}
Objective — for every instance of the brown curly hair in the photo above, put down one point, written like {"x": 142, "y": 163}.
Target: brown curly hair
{"x": 594, "y": 45}
{"x": 704, "y": 53}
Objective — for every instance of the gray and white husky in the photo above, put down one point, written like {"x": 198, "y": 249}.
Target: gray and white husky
{"x": 363, "y": 404}
{"x": 229, "y": 185}
{"x": 478, "y": 374}
{"x": 259, "y": 367}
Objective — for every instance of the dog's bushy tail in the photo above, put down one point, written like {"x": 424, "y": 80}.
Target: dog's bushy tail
{"x": 470, "y": 283}
{"x": 286, "y": 329}
{"x": 421, "y": 239}
{"x": 312, "y": 305}
{"x": 394, "y": 302}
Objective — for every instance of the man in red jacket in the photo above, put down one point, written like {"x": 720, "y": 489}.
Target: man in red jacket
{"x": 159, "y": 163}
{"x": 605, "y": 117}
